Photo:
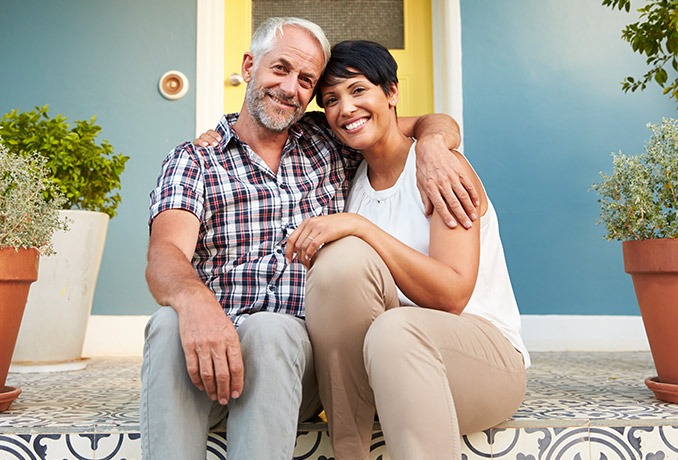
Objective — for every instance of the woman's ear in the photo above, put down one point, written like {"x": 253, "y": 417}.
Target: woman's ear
{"x": 393, "y": 95}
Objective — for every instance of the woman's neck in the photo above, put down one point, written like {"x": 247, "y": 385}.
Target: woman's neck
{"x": 386, "y": 159}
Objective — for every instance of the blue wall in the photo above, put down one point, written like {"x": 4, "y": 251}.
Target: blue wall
{"x": 104, "y": 58}
{"x": 543, "y": 110}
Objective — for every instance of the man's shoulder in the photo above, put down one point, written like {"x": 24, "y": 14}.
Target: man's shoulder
{"x": 314, "y": 122}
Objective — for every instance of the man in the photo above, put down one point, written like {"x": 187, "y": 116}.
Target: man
{"x": 219, "y": 222}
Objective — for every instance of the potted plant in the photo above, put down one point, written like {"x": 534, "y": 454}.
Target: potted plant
{"x": 86, "y": 173}
{"x": 639, "y": 203}
{"x": 28, "y": 218}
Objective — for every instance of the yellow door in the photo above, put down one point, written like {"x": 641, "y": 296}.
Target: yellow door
{"x": 415, "y": 62}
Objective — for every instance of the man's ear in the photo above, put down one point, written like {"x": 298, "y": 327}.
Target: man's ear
{"x": 247, "y": 67}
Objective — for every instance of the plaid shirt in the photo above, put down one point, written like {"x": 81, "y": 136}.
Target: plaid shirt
{"x": 247, "y": 211}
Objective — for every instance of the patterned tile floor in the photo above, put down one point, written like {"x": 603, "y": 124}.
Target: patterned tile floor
{"x": 579, "y": 406}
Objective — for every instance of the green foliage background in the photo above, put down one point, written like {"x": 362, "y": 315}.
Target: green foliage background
{"x": 655, "y": 36}
{"x": 85, "y": 172}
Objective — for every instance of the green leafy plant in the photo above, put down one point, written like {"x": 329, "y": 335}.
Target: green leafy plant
{"x": 28, "y": 218}
{"x": 85, "y": 172}
{"x": 656, "y": 36}
{"x": 638, "y": 201}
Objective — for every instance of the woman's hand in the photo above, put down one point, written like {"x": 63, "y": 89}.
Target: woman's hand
{"x": 209, "y": 138}
{"x": 313, "y": 232}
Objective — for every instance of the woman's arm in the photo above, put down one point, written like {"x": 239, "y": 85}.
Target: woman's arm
{"x": 444, "y": 280}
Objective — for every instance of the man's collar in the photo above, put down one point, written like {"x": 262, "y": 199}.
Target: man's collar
{"x": 228, "y": 120}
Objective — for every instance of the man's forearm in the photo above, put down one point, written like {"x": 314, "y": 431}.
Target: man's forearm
{"x": 171, "y": 278}
{"x": 440, "y": 126}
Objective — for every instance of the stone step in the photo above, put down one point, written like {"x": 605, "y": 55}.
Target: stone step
{"x": 579, "y": 406}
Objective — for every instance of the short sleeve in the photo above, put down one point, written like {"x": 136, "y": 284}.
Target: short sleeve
{"x": 180, "y": 184}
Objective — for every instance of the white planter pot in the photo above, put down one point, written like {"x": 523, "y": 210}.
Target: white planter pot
{"x": 59, "y": 304}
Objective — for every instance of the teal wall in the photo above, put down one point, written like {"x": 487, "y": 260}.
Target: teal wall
{"x": 543, "y": 110}
{"x": 104, "y": 58}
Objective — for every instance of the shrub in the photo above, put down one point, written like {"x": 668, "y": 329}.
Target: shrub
{"x": 638, "y": 201}
{"x": 85, "y": 172}
{"x": 28, "y": 219}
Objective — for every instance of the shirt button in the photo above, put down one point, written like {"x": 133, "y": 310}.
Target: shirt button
{"x": 271, "y": 288}
{"x": 278, "y": 250}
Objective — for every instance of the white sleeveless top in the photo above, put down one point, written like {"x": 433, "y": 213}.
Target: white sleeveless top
{"x": 399, "y": 211}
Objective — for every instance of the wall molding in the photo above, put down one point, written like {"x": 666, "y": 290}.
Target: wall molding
{"x": 209, "y": 66}
{"x": 447, "y": 61}
{"x": 124, "y": 335}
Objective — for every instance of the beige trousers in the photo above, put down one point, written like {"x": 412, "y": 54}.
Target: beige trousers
{"x": 431, "y": 375}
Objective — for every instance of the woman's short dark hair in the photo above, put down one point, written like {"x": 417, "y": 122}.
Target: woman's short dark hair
{"x": 351, "y": 58}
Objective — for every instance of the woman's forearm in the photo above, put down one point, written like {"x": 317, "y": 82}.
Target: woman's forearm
{"x": 426, "y": 281}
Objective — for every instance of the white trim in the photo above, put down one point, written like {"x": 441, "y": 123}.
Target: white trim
{"x": 124, "y": 335}
{"x": 447, "y": 62}
{"x": 109, "y": 335}
{"x": 209, "y": 66}
{"x": 584, "y": 333}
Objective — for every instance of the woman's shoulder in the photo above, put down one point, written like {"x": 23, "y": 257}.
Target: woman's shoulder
{"x": 467, "y": 171}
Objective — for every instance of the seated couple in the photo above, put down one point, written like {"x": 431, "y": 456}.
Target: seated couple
{"x": 378, "y": 308}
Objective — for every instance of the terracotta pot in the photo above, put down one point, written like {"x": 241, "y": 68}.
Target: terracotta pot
{"x": 18, "y": 269}
{"x": 653, "y": 266}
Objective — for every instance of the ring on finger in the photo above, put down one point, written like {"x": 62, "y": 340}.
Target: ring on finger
{"x": 309, "y": 238}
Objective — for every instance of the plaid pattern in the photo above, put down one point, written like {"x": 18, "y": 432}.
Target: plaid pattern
{"x": 247, "y": 211}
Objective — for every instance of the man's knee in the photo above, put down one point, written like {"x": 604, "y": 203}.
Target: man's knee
{"x": 163, "y": 324}
{"x": 272, "y": 337}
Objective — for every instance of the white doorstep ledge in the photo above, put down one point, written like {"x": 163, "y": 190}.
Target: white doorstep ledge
{"x": 110, "y": 335}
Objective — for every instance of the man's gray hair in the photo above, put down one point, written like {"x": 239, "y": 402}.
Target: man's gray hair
{"x": 265, "y": 35}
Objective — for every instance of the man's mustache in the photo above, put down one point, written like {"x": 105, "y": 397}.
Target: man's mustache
{"x": 284, "y": 98}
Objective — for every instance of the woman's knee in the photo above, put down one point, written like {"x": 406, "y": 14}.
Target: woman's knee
{"x": 391, "y": 336}
{"x": 339, "y": 263}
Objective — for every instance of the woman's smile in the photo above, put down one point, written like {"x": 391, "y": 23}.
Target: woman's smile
{"x": 354, "y": 125}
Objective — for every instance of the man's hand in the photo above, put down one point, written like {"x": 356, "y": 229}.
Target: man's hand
{"x": 209, "y": 138}
{"x": 440, "y": 180}
{"x": 212, "y": 350}
{"x": 208, "y": 337}
{"x": 442, "y": 185}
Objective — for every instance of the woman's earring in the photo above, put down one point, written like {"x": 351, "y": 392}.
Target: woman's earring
{"x": 393, "y": 102}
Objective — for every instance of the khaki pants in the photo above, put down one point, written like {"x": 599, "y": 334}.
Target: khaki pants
{"x": 432, "y": 375}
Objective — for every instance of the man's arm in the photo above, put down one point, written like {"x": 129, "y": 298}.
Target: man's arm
{"x": 208, "y": 337}
{"x": 440, "y": 178}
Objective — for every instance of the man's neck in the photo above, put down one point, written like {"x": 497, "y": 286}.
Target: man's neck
{"x": 266, "y": 144}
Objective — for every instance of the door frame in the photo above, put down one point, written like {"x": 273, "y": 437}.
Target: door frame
{"x": 210, "y": 33}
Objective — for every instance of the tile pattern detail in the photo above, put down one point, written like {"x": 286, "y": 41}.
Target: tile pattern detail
{"x": 579, "y": 406}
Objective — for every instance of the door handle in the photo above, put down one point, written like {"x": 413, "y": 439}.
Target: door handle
{"x": 235, "y": 79}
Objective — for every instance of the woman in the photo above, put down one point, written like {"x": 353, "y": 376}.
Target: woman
{"x": 453, "y": 362}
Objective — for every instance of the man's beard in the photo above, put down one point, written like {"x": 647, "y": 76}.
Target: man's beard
{"x": 256, "y": 104}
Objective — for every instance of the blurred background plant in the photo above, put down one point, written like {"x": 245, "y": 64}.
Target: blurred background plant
{"x": 86, "y": 173}
{"x": 655, "y": 35}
